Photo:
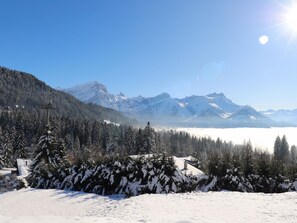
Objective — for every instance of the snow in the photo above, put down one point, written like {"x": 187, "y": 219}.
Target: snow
{"x": 214, "y": 105}
{"x": 47, "y": 206}
{"x": 225, "y": 115}
{"x": 252, "y": 117}
{"x": 110, "y": 122}
{"x": 261, "y": 138}
{"x": 182, "y": 105}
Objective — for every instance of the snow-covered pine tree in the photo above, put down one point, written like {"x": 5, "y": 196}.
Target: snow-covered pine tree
{"x": 139, "y": 142}
{"x": 7, "y": 153}
{"x": 247, "y": 159}
{"x": 20, "y": 149}
{"x": 293, "y": 155}
{"x": 277, "y": 148}
{"x": 49, "y": 153}
{"x": 263, "y": 164}
{"x": 129, "y": 141}
{"x": 149, "y": 139}
{"x": 284, "y": 149}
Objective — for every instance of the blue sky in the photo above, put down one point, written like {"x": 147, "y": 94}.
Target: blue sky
{"x": 145, "y": 48}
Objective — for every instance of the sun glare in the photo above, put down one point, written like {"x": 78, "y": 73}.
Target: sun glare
{"x": 290, "y": 18}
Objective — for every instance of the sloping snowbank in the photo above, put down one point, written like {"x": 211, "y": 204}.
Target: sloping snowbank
{"x": 30, "y": 205}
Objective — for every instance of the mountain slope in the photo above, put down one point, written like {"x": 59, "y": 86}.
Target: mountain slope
{"x": 24, "y": 90}
{"x": 213, "y": 110}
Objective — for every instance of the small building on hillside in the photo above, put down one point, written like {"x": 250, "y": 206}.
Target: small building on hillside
{"x": 23, "y": 166}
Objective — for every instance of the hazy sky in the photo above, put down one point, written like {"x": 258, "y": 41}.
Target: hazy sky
{"x": 148, "y": 47}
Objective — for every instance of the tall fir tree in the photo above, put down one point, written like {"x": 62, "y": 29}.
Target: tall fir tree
{"x": 129, "y": 141}
{"x": 247, "y": 159}
{"x": 149, "y": 139}
{"x": 277, "y": 148}
{"x": 284, "y": 149}
{"x": 49, "y": 153}
{"x": 293, "y": 155}
{"x": 139, "y": 142}
{"x": 20, "y": 149}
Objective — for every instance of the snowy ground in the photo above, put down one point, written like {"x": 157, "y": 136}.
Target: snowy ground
{"x": 30, "y": 205}
{"x": 260, "y": 137}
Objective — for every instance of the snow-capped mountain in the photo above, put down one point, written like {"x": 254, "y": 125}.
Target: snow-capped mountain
{"x": 213, "y": 110}
{"x": 283, "y": 117}
{"x": 96, "y": 93}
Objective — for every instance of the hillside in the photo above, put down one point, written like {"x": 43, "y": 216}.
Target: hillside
{"x": 22, "y": 90}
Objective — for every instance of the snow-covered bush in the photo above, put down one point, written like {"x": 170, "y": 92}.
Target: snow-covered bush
{"x": 10, "y": 182}
{"x": 118, "y": 176}
{"x": 251, "y": 183}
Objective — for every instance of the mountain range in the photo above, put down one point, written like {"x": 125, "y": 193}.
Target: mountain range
{"x": 213, "y": 110}
{"x": 93, "y": 101}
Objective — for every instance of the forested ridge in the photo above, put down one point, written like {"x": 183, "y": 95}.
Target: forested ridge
{"x": 26, "y": 91}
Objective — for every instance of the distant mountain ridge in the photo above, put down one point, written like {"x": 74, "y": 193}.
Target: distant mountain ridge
{"x": 283, "y": 117}
{"x": 213, "y": 110}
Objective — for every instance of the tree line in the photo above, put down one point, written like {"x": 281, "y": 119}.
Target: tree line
{"x": 24, "y": 135}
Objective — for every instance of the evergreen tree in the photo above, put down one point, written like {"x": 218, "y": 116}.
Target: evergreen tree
{"x": 226, "y": 162}
{"x": 129, "y": 141}
{"x": 284, "y": 149}
{"x": 139, "y": 142}
{"x": 247, "y": 159}
{"x": 293, "y": 155}
{"x": 214, "y": 163}
{"x": 49, "y": 153}
{"x": 20, "y": 149}
{"x": 149, "y": 140}
{"x": 7, "y": 151}
{"x": 277, "y": 148}
{"x": 236, "y": 163}
{"x": 263, "y": 164}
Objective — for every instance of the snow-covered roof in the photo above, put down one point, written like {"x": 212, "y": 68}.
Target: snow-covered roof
{"x": 23, "y": 166}
{"x": 180, "y": 163}
{"x": 191, "y": 170}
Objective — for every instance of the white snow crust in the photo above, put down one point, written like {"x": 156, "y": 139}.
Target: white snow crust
{"x": 47, "y": 206}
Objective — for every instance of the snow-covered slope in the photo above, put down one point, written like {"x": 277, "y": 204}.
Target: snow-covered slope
{"x": 208, "y": 111}
{"x": 47, "y": 206}
{"x": 94, "y": 92}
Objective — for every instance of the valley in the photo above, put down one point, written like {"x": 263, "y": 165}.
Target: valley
{"x": 261, "y": 138}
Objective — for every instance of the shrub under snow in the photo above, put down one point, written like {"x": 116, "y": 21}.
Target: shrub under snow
{"x": 118, "y": 176}
{"x": 10, "y": 182}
